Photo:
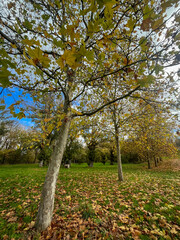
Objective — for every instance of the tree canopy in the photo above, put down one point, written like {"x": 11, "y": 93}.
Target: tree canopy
{"x": 58, "y": 46}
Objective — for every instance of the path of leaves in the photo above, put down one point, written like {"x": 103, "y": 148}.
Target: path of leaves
{"x": 91, "y": 204}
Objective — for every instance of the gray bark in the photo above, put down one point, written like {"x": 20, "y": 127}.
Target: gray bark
{"x": 155, "y": 161}
{"x": 91, "y": 164}
{"x": 45, "y": 212}
{"x": 116, "y": 127}
{"x": 120, "y": 172}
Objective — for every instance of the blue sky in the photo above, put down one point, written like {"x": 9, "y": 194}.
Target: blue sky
{"x": 11, "y": 96}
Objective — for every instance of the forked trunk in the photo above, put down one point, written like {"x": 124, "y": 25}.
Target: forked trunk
{"x": 120, "y": 172}
{"x": 46, "y": 207}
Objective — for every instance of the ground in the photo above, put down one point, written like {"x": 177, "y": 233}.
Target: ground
{"x": 92, "y": 204}
{"x": 173, "y": 165}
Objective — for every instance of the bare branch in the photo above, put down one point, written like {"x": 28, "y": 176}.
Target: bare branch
{"x": 93, "y": 111}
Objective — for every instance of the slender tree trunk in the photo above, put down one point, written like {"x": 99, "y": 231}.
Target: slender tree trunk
{"x": 111, "y": 156}
{"x": 149, "y": 163}
{"x": 4, "y": 158}
{"x": 116, "y": 128}
{"x": 46, "y": 207}
{"x": 120, "y": 172}
{"x": 35, "y": 155}
{"x": 91, "y": 164}
{"x": 155, "y": 161}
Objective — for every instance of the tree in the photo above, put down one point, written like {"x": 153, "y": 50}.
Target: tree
{"x": 92, "y": 134}
{"x": 152, "y": 135}
{"x": 72, "y": 48}
{"x": 74, "y": 152}
{"x": 15, "y": 143}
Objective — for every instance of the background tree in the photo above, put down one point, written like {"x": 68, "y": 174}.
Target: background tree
{"x": 16, "y": 144}
{"x": 75, "y": 152}
{"x": 153, "y": 134}
{"x": 92, "y": 134}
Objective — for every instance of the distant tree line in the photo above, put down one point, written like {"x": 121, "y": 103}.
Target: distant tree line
{"x": 22, "y": 145}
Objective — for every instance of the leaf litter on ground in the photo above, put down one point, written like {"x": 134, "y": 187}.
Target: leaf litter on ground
{"x": 92, "y": 204}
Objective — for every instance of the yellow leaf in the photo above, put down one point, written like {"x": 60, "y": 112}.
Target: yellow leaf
{"x": 122, "y": 227}
{"x": 47, "y": 119}
{"x": 61, "y": 62}
{"x": 13, "y": 45}
{"x": 69, "y": 57}
{"x": 173, "y": 231}
{"x": 50, "y": 128}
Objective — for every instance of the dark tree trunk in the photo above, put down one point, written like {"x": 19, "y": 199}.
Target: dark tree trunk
{"x": 111, "y": 156}
{"x": 91, "y": 164}
{"x": 155, "y": 161}
{"x": 4, "y": 158}
{"x": 149, "y": 164}
{"x": 91, "y": 153}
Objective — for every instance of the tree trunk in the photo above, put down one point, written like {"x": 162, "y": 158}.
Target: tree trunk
{"x": 155, "y": 161}
{"x": 120, "y": 173}
{"x": 46, "y": 207}
{"x": 111, "y": 156}
{"x": 91, "y": 164}
{"x": 4, "y": 158}
{"x": 35, "y": 155}
{"x": 149, "y": 164}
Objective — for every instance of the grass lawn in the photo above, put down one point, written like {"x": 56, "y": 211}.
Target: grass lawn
{"x": 91, "y": 203}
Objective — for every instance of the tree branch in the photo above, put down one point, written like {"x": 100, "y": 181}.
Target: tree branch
{"x": 91, "y": 112}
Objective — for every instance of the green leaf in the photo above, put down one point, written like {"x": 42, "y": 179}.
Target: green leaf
{"x": 7, "y": 63}
{"x": 38, "y": 55}
{"x": 2, "y": 107}
{"x": 150, "y": 79}
{"x": 45, "y": 17}
{"x": 109, "y": 9}
{"x": 100, "y": 3}
{"x": 28, "y": 24}
{"x": 157, "y": 23}
{"x": 130, "y": 23}
{"x": 20, "y": 115}
{"x": 30, "y": 42}
{"x": 147, "y": 80}
{"x": 177, "y": 37}
{"x": 58, "y": 43}
{"x": 4, "y": 77}
{"x": 143, "y": 43}
{"x": 147, "y": 12}
{"x": 158, "y": 69}
{"x": 166, "y": 4}
{"x": 89, "y": 55}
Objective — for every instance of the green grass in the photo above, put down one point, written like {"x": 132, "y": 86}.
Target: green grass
{"x": 91, "y": 204}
